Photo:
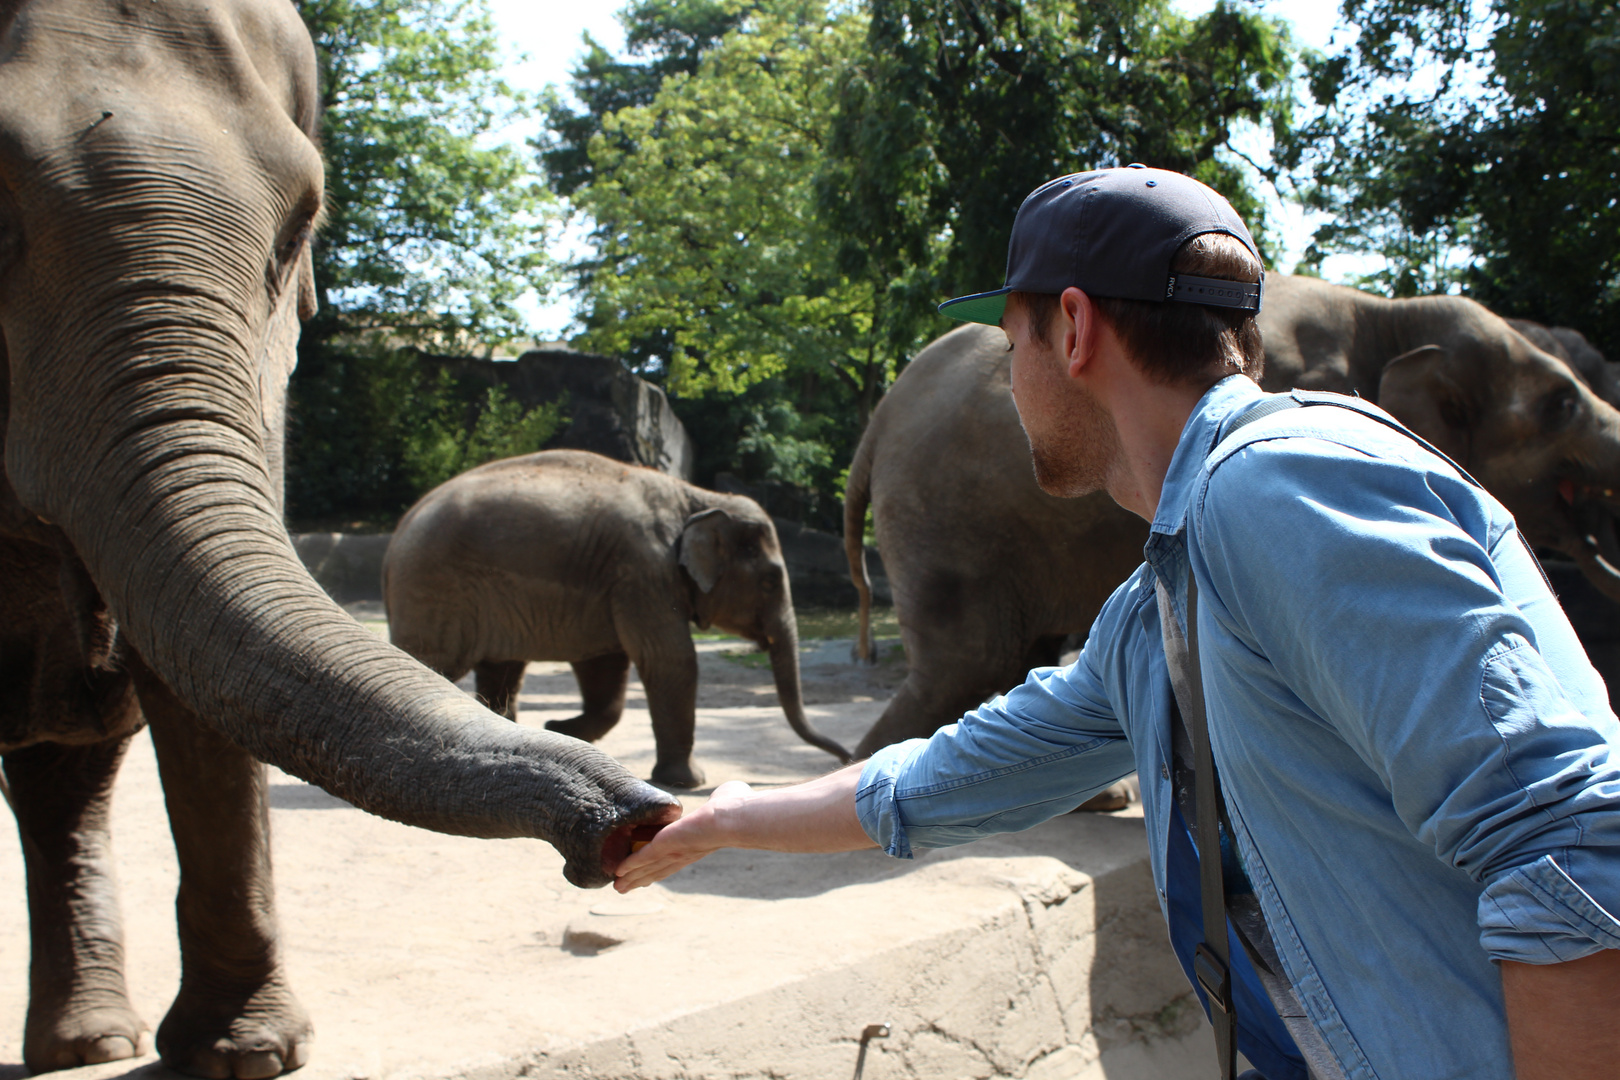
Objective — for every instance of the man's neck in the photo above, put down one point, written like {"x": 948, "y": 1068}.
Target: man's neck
{"x": 1150, "y": 417}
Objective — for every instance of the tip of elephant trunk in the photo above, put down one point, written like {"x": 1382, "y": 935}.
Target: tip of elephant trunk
{"x": 630, "y": 837}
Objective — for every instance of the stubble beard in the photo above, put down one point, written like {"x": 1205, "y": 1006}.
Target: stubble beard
{"x": 1080, "y": 457}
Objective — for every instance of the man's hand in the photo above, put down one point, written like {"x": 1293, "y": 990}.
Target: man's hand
{"x": 1564, "y": 1019}
{"x": 680, "y": 843}
{"x": 815, "y": 816}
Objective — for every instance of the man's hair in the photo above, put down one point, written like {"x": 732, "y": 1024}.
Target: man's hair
{"x": 1171, "y": 341}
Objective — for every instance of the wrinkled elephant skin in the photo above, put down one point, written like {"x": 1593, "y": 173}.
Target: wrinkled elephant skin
{"x": 159, "y": 180}
{"x": 566, "y": 555}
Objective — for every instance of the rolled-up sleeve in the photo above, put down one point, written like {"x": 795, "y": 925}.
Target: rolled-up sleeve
{"x": 1036, "y": 752}
{"x": 1394, "y": 625}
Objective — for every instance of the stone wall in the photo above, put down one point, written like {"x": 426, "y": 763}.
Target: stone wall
{"x": 609, "y": 410}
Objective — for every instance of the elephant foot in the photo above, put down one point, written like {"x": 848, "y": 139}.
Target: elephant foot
{"x": 70, "y": 1037}
{"x": 677, "y": 774}
{"x": 588, "y": 728}
{"x": 226, "y": 1036}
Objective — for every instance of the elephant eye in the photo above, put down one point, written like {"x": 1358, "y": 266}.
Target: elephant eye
{"x": 288, "y": 251}
{"x": 1560, "y": 409}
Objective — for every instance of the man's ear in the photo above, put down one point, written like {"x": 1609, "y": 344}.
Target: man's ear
{"x": 1079, "y": 329}
{"x": 703, "y": 547}
{"x": 1419, "y": 388}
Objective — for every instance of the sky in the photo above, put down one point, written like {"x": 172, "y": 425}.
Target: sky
{"x": 545, "y": 39}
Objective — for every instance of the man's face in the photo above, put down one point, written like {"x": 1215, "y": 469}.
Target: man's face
{"x": 1072, "y": 439}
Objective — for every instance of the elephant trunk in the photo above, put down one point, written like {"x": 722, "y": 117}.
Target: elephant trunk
{"x": 784, "y": 651}
{"x": 170, "y": 503}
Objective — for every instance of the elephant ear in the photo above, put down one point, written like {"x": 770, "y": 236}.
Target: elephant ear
{"x": 308, "y": 304}
{"x": 1421, "y": 390}
{"x": 703, "y": 546}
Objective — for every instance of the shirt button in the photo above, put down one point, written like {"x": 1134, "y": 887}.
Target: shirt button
{"x": 1164, "y": 770}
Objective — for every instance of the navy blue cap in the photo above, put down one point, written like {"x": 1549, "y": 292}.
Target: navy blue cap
{"x": 1113, "y": 232}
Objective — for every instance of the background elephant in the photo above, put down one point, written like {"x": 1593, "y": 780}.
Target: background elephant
{"x": 159, "y": 181}
{"x": 1571, "y": 346}
{"x": 989, "y": 573}
{"x": 568, "y": 555}
{"x": 1516, "y": 417}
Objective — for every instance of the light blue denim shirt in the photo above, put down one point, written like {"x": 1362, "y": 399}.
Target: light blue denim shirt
{"x": 1420, "y": 764}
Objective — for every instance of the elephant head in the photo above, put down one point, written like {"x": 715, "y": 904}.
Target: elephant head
{"x": 159, "y": 184}
{"x": 1528, "y": 428}
{"x": 741, "y": 585}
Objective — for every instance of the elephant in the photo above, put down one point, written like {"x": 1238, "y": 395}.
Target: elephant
{"x": 989, "y": 573}
{"x": 570, "y": 555}
{"x": 1522, "y": 421}
{"x": 159, "y": 186}
{"x": 1571, "y": 346}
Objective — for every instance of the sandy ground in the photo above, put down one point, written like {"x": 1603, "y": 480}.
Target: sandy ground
{"x": 424, "y": 955}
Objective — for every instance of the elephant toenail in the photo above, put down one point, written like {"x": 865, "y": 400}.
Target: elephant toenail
{"x": 108, "y": 1048}
{"x": 258, "y": 1065}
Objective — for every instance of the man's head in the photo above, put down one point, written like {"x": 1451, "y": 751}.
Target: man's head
{"x": 1167, "y": 261}
{"x": 1129, "y": 292}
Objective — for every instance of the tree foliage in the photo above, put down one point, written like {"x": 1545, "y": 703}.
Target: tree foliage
{"x": 1476, "y": 145}
{"x": 783, "y": 190}
{"x": 431, "y": 236}
{"x": 959, "y": 109}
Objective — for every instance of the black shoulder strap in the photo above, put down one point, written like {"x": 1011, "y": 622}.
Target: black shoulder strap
{"x": 1211, "y": 960}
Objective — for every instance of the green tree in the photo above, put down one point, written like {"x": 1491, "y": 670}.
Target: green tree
{"x": 958, "y": 109}
{"x": 432, "y": 234}
{"x": 1476, "y": 145}
{"x": 782, "y": 214}
{"x": 662, "y": 38}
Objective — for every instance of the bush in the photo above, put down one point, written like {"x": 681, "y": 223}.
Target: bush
{"x": 371, "y": 429}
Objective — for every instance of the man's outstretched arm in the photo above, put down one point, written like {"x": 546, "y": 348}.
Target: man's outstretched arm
{"x": 815, "y": 816}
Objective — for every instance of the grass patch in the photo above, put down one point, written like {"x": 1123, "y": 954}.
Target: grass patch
{"x": 822, "y": 623}
{"x": 833, "y": 623}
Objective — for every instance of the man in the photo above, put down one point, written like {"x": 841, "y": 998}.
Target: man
{"x": 1420, "y": 770}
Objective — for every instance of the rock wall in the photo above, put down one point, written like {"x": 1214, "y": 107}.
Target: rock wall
{"x": 347, "y": 565}
{"x": 610, "y": 410}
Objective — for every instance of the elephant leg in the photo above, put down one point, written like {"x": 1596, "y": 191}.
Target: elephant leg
{"x": 602, "y": 682}
{"x": 498, "y": 683}
{"x": 78, "y": 1004}
{"x": 235, "y": 1015}
{"x": 921, "y": 706}
{"x": 670, "y": 676}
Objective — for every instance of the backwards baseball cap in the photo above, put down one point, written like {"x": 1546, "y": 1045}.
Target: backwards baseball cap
{"x": 1113, "y": 232}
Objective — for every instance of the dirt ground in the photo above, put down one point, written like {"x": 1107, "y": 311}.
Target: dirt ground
{"x": 425, "y": 956}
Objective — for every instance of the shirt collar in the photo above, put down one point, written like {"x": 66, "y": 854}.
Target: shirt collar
{"x": 1232, "y": 395}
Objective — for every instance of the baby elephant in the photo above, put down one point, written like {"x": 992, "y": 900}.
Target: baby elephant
{"x": 567, "y": 555}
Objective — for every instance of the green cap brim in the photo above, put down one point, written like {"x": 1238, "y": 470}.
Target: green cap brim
{"x": 985, "y": 307}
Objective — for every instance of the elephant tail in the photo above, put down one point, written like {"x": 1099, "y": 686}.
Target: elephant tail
{"x": 857, "y": 496}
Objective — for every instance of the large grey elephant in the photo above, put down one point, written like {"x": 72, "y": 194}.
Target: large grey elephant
{"x": 568, "y": 555}
{"x": 159, "y": 180}
{"x": 989, "y": 573}
{"x": 1528, "y": 427}
{"x": 1571, "y": 346}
